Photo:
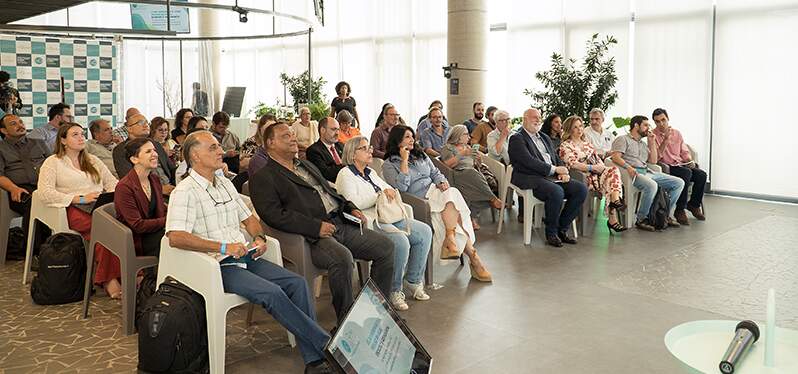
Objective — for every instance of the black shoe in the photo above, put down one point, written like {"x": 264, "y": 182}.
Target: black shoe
{"x": 553, "y": 241}
{"x": 520, "y": 218}
{"x": 645, "y": 225}
{"x": 318, "y": 367}
{"x": 618, "y": 205}
{"x": 617, "y": 227}
{"x": 565, "y": 239}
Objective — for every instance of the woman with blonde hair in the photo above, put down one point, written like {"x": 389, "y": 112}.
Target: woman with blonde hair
{"x": 578, "y": 154}
{"x": 463, "y": 160}
{"x": 70, "y": 177}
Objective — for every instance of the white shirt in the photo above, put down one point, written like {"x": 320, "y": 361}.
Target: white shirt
{"x": 360, "y": 192}
{"x": 210, "y": 211}
{"x": 60, "y": 181}
{"x": 602, "y": 141}
{"x": 493, "y": 138}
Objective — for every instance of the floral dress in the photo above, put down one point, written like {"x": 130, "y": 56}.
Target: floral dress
{"x": 605, "y": 183}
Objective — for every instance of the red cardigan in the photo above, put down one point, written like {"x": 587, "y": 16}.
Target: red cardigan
{"x": 132, "y": 206}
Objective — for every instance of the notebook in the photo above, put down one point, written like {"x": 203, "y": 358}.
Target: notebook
{"x": 104, "y": 198}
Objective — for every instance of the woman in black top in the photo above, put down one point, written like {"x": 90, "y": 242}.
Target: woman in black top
{"x": 181, "y": 124}
{"x": 344, "y": 102}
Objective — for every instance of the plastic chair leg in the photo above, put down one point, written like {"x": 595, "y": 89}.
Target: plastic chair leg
{"x": 128, "y": 299}
{"x": 89, "y": 279}
{"x": 217, "y": 328}
{"x": 528, "y": 210}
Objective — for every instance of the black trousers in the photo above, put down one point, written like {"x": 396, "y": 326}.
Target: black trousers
{"x": 337, "y": 255}
{"x": 558, "y": 217}
{"x": 23, "y": 209}
{"x": 699, "y": 179}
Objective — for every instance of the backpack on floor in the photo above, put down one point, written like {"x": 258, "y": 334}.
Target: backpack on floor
{"x": 658, "y": 213}
{"x": 172, "y": 331}
{"x": 145, "y": 291}
{"x": 62, "y": 270}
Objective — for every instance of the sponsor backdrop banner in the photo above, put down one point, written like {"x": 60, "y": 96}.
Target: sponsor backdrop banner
{"x": 89, "y": 68}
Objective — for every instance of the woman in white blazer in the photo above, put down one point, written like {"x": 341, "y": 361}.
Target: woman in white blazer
{"x": 361, "y": 185}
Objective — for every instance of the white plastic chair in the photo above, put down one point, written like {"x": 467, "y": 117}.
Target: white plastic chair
{"x": 376, "y": 164}
{"x": 531, "y": 206}
{"x": 6, "y": 215}
{"x": 630, "y": 192}
{"x": 54, "y": 218}
{"x": 202, "y": 274}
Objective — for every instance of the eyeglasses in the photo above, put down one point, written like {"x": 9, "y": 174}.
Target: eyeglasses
{"x": 217, "y": 203}
{"x": 365, "y": 147}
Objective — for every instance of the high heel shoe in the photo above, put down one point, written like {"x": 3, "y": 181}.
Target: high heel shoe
{"x": 619, "y": 205}
{"x": 449, "y": 249}
{"x": 617, "y": 227}
{"x": 479, "y": 273}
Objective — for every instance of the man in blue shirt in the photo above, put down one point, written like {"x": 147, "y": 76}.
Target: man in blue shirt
{"x": 479, "y": 113}
{"x": 433, "y": 138}
{"x": 58, "y": 114}
{"x": 536, "y": 166}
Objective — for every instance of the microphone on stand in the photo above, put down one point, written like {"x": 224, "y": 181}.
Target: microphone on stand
{"x": 746, "y": 333}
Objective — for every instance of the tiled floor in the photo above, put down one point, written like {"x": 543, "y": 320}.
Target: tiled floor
{"x": 602, "y": 306}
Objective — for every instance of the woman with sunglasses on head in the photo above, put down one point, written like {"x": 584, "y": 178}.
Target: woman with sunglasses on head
{"x": 73, "y": 176}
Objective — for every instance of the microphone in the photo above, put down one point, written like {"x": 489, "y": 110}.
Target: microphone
{"x": 746, "y": 333}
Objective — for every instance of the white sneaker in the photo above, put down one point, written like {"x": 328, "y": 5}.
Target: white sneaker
{"x": 417, "y": 291}
{"x": 398, "y": 301}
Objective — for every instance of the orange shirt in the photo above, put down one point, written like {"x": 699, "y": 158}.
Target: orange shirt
{"x": 343, "y": 137}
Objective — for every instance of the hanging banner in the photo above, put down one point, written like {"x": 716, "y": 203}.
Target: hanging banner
{"x": 153, "y": 17}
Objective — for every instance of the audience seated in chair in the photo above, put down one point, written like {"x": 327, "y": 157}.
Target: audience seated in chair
{"x": 306, "y": 130}
{"x": 229, "y": 141}
{"x": 538, "y": 167}
{"x": 348, "y": 130}
{"x": 578, "y": 154}
{"x": 205, "y": 214}
{"x": 159, "y": 133}
{"x": 471, "y": 183}
{"x": 73, "y": 176}
{"x": 499, "y": 137}
{"x": 58, "y": 114}
{"x": 434, "y": 136}
{"x": 138, "y": 127}
{"x": 673, "y": 152}
{"x": 379, "y": 137}
{"x": 252, "y": 151}
{"x": 597, "y": 135}
{"x": 291, "y": 195}
{"x": 632, "y": 154}
{"x": 423, "y": 122}
{"x": 102, "y": 143}
{"x": 326, "y": 152}
{"x": 20, "y": 160}
{"x": 552, "y": 126}
{"x": 361, "y": 185}
{"x": 181, "y": 124}
{"x": 408, "y": 169}
{"x": 138, "y": 198}
{"x": 479, "y": 113}
{"x": 480, "y": 133}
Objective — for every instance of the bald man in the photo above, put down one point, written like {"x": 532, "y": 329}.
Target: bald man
{"x": 536, "y": 166}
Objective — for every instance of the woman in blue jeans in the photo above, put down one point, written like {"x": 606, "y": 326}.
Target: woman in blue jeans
{"x": 361, "y": 185}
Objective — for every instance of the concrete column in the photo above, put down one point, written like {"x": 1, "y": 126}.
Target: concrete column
{"x": 467, "y": 41}
{"x": 210, "y": 57}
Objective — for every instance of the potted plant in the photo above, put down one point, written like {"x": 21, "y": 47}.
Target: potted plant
{"x": 569, "y": 89}
{"x": 298, "y": 88}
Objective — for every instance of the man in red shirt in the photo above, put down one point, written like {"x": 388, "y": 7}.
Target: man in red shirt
{"x": 674, "y": 153}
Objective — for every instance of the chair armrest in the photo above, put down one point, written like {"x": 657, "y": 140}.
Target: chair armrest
{"x": 655, "y": 167}
{"x": 273, "y": 253}
{"x": 194, "y": 269}
{"x": 408, "y": 209}
{"x": 419, "y": 206}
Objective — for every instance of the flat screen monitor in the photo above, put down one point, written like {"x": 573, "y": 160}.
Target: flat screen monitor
{"x": 233, "y": 101}
{"x": 372, "y": 339}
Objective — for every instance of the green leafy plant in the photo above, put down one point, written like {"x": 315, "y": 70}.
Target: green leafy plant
{"x": 569, "y": 90}
{"x": 319, "y": 110}
{"x": 620, "y": 123}
{"x": 298, "y": 88}
{"x": 262, "y": 109}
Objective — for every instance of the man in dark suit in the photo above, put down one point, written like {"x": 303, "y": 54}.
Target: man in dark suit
{"x": 326, "y": 152}
{"x": 291, "y": 195}
{"x": 536, "y": 166}
{"x": 138, "y": 127}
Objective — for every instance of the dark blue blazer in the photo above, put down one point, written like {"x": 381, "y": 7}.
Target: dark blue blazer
{"x": 529, "y": 168}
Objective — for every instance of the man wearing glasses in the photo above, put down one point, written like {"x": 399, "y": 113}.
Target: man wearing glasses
{"x": 205, "y": 214}
{"x": 379, "y": 137}
{"x": 138, "y": 127}
{"x": 326, "y": 152}
{"x": 58, "y": 114}
{"x": 291, "y": 195}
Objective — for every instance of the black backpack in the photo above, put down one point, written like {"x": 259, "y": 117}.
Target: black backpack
{"x": 145, "y": 291}
{"x": 172, "y": 331}
{"x": 658, "y": 213}
{"x": 62, "y": 270}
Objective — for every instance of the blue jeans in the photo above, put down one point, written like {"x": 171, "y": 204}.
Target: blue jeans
{"x": 647, "y": 183}
{"x": 285, "y": 296}
{"x": 410, "y": 252}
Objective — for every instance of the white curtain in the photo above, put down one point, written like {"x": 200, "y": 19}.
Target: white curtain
{"x": 753, "y": 141}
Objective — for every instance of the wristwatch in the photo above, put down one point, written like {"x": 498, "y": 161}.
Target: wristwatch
{"x": 261, "y": 237}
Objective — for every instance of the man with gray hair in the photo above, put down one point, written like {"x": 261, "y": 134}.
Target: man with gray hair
{"x": 102, "y": 143}
{"x": 599, "y": 137}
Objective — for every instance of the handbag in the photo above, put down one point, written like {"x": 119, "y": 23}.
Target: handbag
{"x": 391, "y": 211}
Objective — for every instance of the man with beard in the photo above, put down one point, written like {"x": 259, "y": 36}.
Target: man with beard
{"x": 630, "y": 153}
{"x": 480, "y": 133}
{"x": 479, "y": 113}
